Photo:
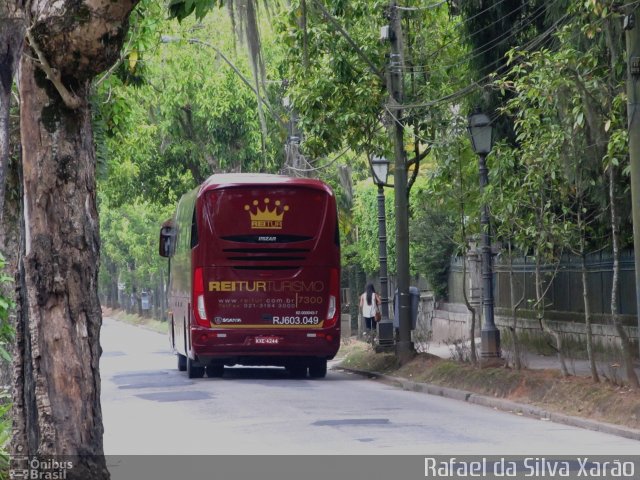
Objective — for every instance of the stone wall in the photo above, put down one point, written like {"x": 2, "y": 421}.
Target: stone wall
{"x": 451, "y": 322}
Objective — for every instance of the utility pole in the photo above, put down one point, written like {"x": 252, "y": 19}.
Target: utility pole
{"x": 404, "y": 346}
{"x": 293, "y": 158}
{"x": 632, "y": 33}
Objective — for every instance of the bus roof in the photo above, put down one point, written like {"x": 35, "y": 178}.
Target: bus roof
{"x": 224, "y": 180}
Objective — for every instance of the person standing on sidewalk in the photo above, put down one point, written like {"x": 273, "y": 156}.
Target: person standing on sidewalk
{"x": 369, "y": 305}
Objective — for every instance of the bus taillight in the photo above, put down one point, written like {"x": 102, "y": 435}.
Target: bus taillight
{"x": 334, "y": 291}
{"x": 198, "y": 296}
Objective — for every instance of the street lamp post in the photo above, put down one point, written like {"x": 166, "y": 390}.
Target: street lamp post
{"x": 480, "y": 130}
{"x": 380, "y": 170}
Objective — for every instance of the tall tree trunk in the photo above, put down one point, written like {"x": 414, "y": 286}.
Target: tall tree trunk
{"x": 61, "y": 311}
{"x": 587, "y": 314}
{"x": 12, "y": 28}
{"x": 515, "y": 305}
{"x": 585, "y": 295}
{"x": 57, "y": 382}
{"x": 10, "y": 237}
{"x": 542, "y": 320}
{"x": 112, "y": 287}
{"x": 627, "y": 356}
{"x": 541, "y": 291}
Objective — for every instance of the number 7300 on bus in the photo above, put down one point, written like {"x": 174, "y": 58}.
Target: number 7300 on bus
{"x": 254, "y": 275}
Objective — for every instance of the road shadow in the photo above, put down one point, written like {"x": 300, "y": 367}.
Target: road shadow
{"x": 266, "y": 374}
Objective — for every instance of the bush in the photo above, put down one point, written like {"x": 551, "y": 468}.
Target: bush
{"x": 7, "y": 334}
{"x": 433, "y": 234}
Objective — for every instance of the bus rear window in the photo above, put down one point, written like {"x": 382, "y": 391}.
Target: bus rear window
{"x": 277, "y": 215}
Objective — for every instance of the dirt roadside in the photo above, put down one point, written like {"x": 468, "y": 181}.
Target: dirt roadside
{"x": 545, "y": 390}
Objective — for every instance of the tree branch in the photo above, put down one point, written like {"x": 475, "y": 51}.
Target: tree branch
{"x": 70, "y": 99}
{"x": 363, "y": 56}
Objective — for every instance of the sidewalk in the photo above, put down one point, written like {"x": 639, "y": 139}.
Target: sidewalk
{"x": 577, "y": 367}
{"x": 543, "y": 410}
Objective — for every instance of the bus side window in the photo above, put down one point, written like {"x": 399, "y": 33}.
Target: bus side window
{"x": 194, "y": 230}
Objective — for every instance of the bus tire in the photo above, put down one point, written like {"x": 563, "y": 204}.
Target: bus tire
{"x": 318, "y": 368}
{"x": 194, "y": 371}
{"x": 215, "y": 370}
{"x": 182, "y": 362}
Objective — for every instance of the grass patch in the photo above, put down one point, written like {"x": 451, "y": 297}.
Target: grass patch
{"x": 577, "y": 396}
{"x": 133, "y": 319}
{"x": 360, "y": 355}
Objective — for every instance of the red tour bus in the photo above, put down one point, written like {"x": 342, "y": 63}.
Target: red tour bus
{"x": 254, "y": 263}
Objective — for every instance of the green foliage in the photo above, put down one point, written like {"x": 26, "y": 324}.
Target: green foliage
{"x": 434, "y": 233}
{"x": 364, "y": 251}
{"x": 7, "y": 334}
{"x": 6, "y": 425}
{"x": 445, "y": 210}
{"x": 494, "y": 28}
{"x": 192, "y": 115}
{"x": 182, "y": 9}
{"x": 174, "y": 113}
{"x": 570, "y": 126}
{"x": 339, "y": 100}
{"x": 130, "y": 243}
{"x": 340, "y": 95}
{"x": 365, "y": 216}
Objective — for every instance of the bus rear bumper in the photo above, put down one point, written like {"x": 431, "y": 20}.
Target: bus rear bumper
{"x": 252, "y": 347}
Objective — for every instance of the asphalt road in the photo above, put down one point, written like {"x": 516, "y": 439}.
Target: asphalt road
{"x": 151, "y": 408}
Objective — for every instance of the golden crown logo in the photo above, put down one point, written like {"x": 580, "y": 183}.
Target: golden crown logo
{"x": 269, "y": 219}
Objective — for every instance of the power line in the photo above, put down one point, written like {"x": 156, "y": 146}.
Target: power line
{"x": 459, "y": 37}
{"x": 320, "y": 167}
{"x": 534, "y": 43}
{"x": 506, "y": 35}
{"x": 374, "y": 69}
{"x": 468, "y": 89}
{"x": 477, "y": 84}
{"x": 491, "y": 43}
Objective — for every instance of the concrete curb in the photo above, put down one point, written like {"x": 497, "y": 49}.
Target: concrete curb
{"x": 501, "y": 404}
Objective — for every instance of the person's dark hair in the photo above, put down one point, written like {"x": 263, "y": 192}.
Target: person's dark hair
{"x": 370, "y": 291}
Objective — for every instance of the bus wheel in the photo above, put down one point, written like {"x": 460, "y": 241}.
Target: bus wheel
{"x": 193, "y": 371}
{"x": 297, "y": 370}
{"x": 182, "y": 362}
{"x": 215, "y": 370}
{"x": 318, "y": 368}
